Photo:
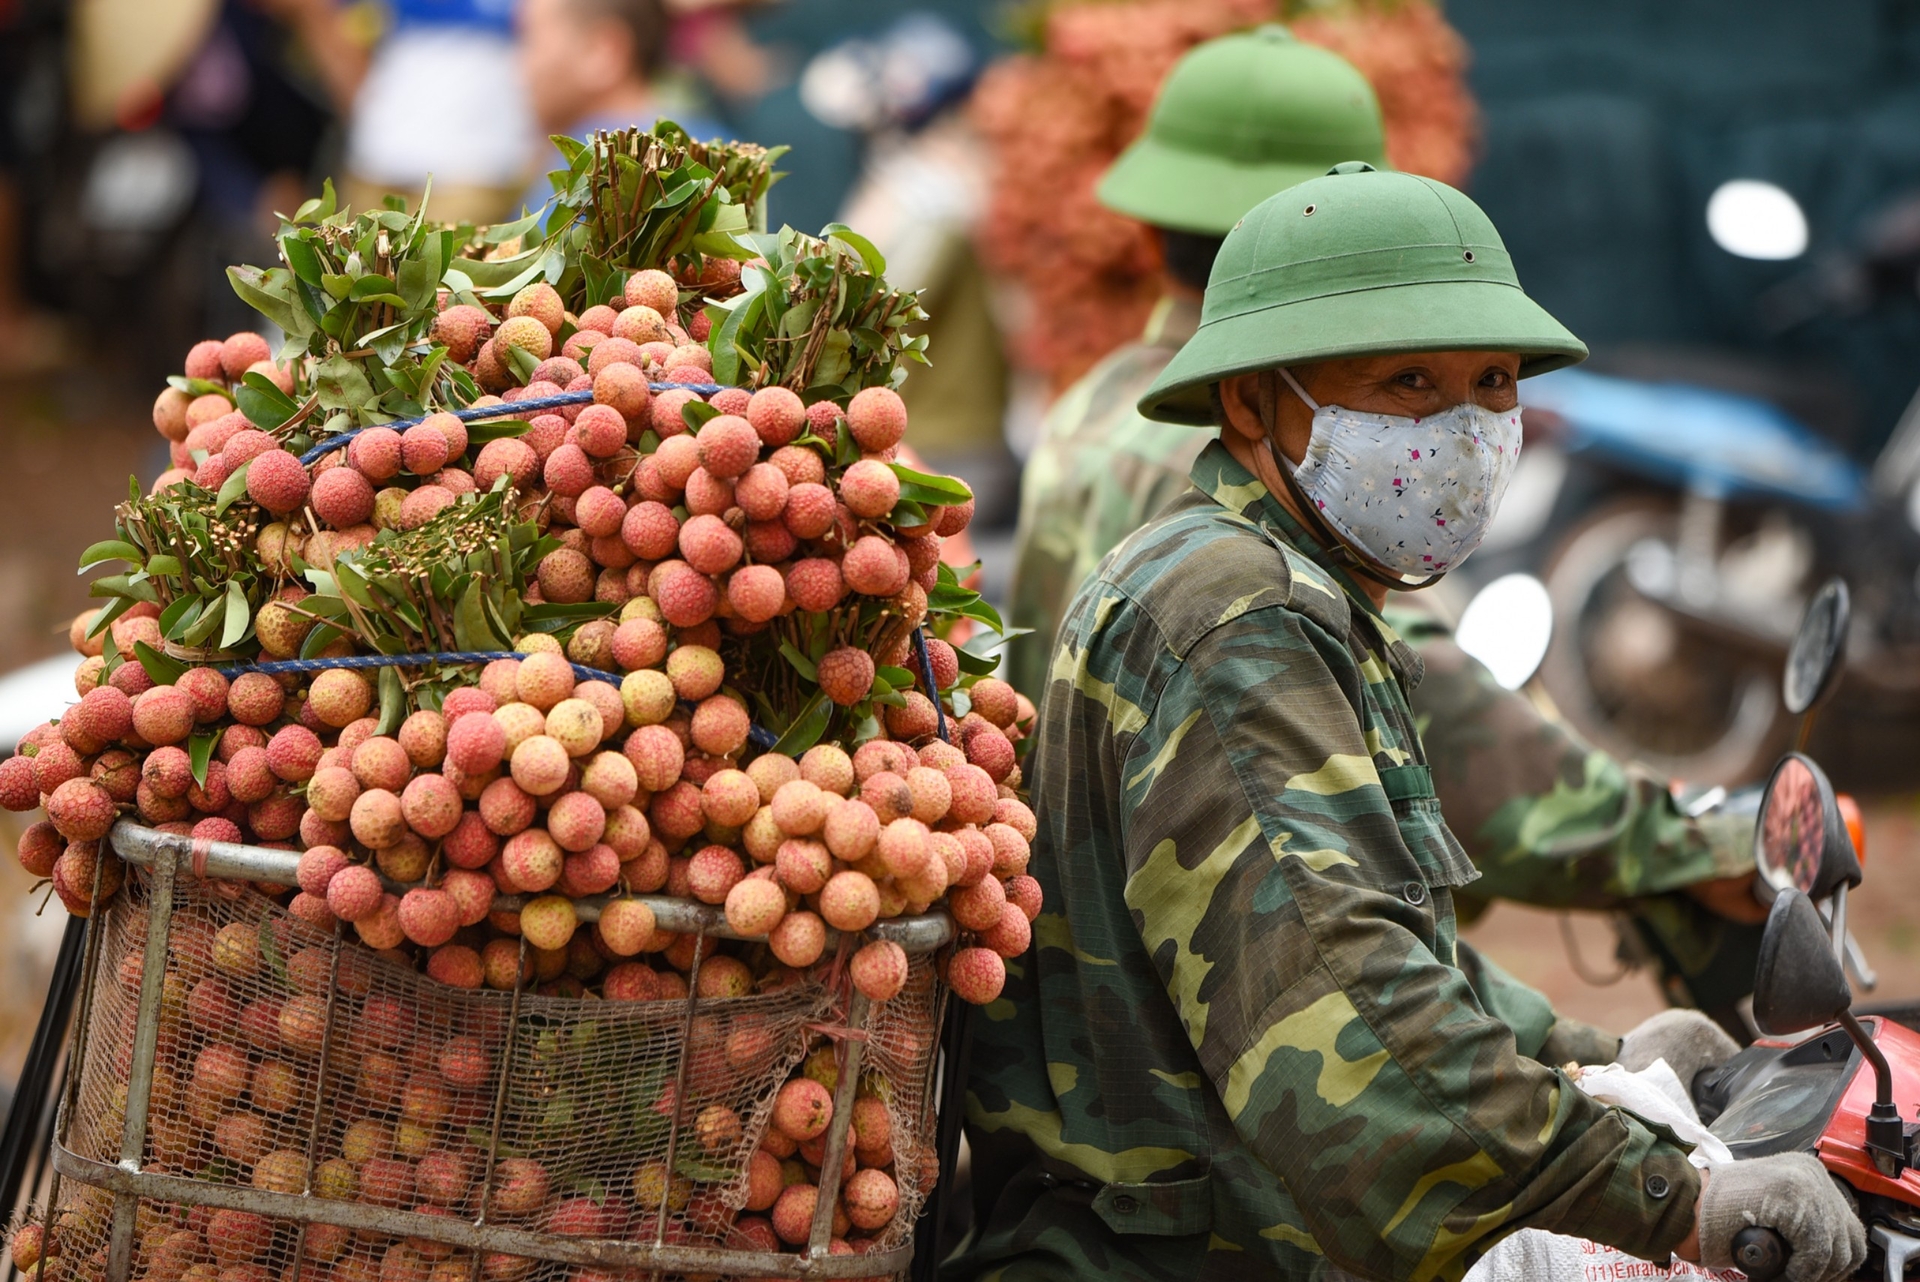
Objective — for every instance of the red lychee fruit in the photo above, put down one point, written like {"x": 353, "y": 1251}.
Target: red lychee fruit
{"x": 707, "y": 495}
{"x": 639, "y": 324}
{"x": 850, "y": 901}
{"x": 656, "y": 755}
{"x": 509, "y": 457}
{"x": 164, "y": 715}
{"x": 338, "y": 696}
{"x": 756, "y": 592}
{"x": 81, "y": 809}
{"x": 293, "y": 752}
{"x": 846, "y": 675}
{"x": 977, "y": 975}
{"x": 542, "y": 302}
{"x": 810, "y": 511}
{"x": 429, "y": 916}
{"x": 462, "y": 329}
{"x": 874, "y": 567}
{"x": 342, "y": 497}
{"x": 354, "y": 893}
{"x": 431, "y": 806}
{"x": 801, "y": 465}
{"x": 879, "y": 969}
{"x": 762, "y": 492}
{"x": 376, "y": 453}
{"x": 815, "y": 585}
{"x": 869, "y": 488}
{"x": 952, "y": 519}
{"x": 728, "y": 446}
{"x": 600, "y": 431}
{"x": 877, "y": 417}
{"x": 526, "y": 333}
{"x": 709, "y": 546}
{"x": 548, "y": 921}
{"x": 652, "y": 288}
{"x": 755, "y": 906}
{"x": 599, "y": 511}
{"x": 777, "y": 415}
{"x": 802, "y": 1109}
{"x": 423, "y": 449}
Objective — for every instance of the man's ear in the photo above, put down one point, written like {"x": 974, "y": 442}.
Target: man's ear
{"x": 1241, "y": 405}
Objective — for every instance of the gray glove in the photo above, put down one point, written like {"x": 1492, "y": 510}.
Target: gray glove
{"x": 1686, "y": 1039}
{"x": 1792, "y": 1194}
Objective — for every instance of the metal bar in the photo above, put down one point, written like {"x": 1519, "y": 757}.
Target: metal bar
{"x": 77, "y": 1047}
{"x": 319, "y": 1092}
{"x": 141, "y": 846}
{"x": 680, "y": 1087}
{"x": 844, "y": 1093}
{"x": 146, "y": 1036}
{"x": 458, "y": 1233}
{"x": 32, "y": 1097}
{"x": 500, "y": 1095}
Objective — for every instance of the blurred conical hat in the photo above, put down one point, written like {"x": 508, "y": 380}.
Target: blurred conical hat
{"x": 126, "y": 51}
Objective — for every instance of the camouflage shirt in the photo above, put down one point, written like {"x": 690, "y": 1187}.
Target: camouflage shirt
{"x": 1548, "y": 818}
{"x": 1246, "y": 1043}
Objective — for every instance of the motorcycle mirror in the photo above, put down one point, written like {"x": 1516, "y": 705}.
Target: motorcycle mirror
{"x": 1507, "y": 626}
{"x": 1800, "y": 840}
{"x": 1818, "y": 644}
{"x": 1798, "y": 983}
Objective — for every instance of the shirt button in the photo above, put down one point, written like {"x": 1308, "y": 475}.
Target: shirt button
{"x": 1048, "y": 1179}
{"x": 1126, "y": 1204}
{"x": 1657, "y": 1187}
{"x": 1416, "y": 892}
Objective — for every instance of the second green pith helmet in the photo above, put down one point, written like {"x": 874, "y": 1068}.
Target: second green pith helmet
{"x": 1236, "y": 120}
{"x": 1356, "y": 263}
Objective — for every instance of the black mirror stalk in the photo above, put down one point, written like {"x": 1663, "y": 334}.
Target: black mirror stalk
{"x": 1886, "y": 1136}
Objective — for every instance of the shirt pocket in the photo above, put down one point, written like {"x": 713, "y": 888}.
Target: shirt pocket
{"x": 1416, "y": 809}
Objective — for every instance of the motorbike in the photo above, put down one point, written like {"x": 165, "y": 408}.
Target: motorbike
{"x": 1820, "y": 1078}
{"x": 1683, "y": 527}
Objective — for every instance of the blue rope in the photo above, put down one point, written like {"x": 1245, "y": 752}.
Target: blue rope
{"x": 580, "y": 670}
{"x": 759, "y": 737}
{"x": 505, "y": 409}
{"x": 926, "y": 671}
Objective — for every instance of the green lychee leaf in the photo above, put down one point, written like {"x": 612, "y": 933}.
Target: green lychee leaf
{"x": 870, "y": 257}
{"x": 494, "y": 429}
{"x": 960, "y": 703}
{"x": 340, "y": 384}
{"x": 807, "y": 727}
{"x": 302, "y": 258}
{"x": 239, "y": 615}
{"x": 898, "y": 678}
{"x": 801, "y": 663}
{"x": 232, "y": 488}
{"x": 164, "y": 671}
{"x": 176, "y": 618}
{"x": 522, "y": 361}
{"x": 106, "y": 617}
{"x": 393, "y": 701}
{"x": 200, "y": 752}
{"x": 320, "y": 208}
{"x": 265, "y": 405}
{"x": 924, "y": 487}
{"x": 195, "y": 386}
{"x": 697, "y": 414}
{"x": 976, "y": 664}
{"x": 110, "y": 550}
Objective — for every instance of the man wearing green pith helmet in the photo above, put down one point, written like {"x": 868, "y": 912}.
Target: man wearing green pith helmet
{"x": 1246, "y": 1043}
{"x": 1547, "y": 817}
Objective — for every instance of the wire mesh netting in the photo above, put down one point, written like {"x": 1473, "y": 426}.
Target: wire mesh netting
{"x": 291, "y": 1062}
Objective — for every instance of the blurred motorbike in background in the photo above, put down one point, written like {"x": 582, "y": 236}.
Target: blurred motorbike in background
{"x": 1679, "y": 528}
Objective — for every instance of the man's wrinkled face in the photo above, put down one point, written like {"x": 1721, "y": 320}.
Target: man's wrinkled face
{"x": 1411, "y": 386}
{"x": 569, "y": 57}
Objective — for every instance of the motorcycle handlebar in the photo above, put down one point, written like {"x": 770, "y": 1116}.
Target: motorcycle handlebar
{"x": 1760, "y": 1254}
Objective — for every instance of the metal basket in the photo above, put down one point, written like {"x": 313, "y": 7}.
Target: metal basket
{"x": 609, "y": 1098}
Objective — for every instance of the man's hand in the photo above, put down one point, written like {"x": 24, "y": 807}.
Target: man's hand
{"x": 1732, "y": 898}
{"x": 1689, "y": 1042}
{"x": 1792, "y": 1194}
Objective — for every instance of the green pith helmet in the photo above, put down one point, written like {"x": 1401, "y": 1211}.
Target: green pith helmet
{"x": 1356, "y": 263}
{"x": 1236, "y": 120}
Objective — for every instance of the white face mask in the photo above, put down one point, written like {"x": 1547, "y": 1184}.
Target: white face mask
{"x": 1414, "y": 495}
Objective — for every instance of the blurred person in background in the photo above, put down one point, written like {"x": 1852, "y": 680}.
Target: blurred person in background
{"x": 428, "y": 91}
{"x": 595, "y": 64}
{"x": 1548, "y": 819}
{"x": 920, "y": 193}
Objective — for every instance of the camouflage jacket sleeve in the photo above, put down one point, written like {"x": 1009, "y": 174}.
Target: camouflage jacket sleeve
{"x": 1547, "y": 818}
{"x": 1301, "y": 925}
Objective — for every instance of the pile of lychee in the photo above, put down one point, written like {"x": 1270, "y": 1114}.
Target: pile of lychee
{"x": 578, "y": 795}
